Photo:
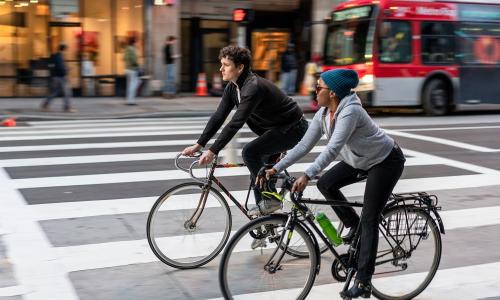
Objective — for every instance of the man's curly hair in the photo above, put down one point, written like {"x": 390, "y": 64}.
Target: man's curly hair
{"x": 239, "y": 55}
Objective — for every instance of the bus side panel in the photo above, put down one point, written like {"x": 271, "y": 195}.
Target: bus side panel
{"x": 397, "y": 91}
{"x": 479, "y": 84}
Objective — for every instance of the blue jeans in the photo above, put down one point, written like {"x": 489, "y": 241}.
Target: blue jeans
{"x": 132, "y": 85}
{"x": 288, "y": 80}
{"x": 170, "y": 84}
{"x": 59, "y": 84}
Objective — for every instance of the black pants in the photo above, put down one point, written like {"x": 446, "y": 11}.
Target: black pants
{"x": 379, "y": 185}
{"x": 268, "y": 146}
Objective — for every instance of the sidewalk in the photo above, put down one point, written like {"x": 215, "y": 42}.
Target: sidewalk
{"x": 28, "y": 109}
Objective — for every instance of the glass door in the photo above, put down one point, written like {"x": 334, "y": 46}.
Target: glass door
{"x": 69, "y": 33}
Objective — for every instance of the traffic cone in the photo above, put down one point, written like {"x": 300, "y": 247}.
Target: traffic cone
{"x": 304, "y": 89}
{"x": 201, "y": 85}
{"x": 9, "y": 122}
{"x": 216, "y": 85}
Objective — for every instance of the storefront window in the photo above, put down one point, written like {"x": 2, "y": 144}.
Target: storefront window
{"x": 23, "y": 48}
{"x": 94, "y": 31}
{"x": 129, "y": 23}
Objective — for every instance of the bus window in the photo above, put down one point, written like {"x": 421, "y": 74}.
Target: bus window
{"x": 438, "y": 43}
{"x": 394, "y": 42}
{"x": 349, "y": 36}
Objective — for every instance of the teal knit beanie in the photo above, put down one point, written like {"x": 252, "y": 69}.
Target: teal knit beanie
{"x": 341, "y": 81}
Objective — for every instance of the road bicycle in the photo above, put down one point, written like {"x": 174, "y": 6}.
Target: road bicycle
{"x": 189, "y": 225}
{"x": 408, "y": 255}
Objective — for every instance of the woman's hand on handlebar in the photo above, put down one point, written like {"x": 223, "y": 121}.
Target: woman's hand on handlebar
{"x": 300, "y": 184}
{"x": 191, "y": 150}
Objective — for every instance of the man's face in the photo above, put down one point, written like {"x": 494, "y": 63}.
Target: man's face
{"x": 229, "y": 70}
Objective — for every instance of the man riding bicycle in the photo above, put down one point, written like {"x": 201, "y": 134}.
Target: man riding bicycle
{"x": 273, "y": 116}
{"x": 364, "y": 149}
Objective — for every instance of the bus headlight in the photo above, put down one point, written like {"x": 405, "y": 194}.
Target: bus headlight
{"x": 367, "y": 79}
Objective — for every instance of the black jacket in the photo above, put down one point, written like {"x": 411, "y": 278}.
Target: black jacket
{"x": 288, "y": 61}
{"x": 263, "y": 106}
{"x": 168, "y": 54}
{"x": 57, "y": 67}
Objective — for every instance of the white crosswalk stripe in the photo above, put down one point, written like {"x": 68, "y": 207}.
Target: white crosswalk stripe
{"x": 45, "y": 275}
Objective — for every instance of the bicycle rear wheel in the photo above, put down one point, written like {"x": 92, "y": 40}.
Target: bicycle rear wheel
{"x": 173, "y": 236}
{"x": 408, "y": 256}
{"x": 247, "y": 274}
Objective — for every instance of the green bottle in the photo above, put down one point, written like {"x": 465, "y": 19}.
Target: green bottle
{"x": 328, "y": 229}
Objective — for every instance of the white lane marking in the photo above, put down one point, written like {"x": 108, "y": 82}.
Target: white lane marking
{"x": 441, "y": 141}
{"x": 102, "y": 122}
{"x": 109, "y": 145}
{"x": 451, "y": 162}
{"x": 88, "y": 159}
{"x": 453, "y": 283}
{"x": 157, "y": 175}
{"x": 10, "y": 291}
{"x": 50, "y": 211}
{"x": 157, "y": 122}
{"x": 32, "y": 134}
{"x": 447, "y": 128}
{"x": 29, "y": 251}
{"x": 131, "y": 133}
{"x": 112, "y": 254}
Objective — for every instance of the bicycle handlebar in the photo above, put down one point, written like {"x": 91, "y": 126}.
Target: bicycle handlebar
{"x": 190, "y": 169}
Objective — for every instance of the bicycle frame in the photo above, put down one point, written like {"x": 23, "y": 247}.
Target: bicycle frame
{"x": 207, "y": 184}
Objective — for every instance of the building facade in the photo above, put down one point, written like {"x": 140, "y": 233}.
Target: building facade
{"x": 96, "y": 33}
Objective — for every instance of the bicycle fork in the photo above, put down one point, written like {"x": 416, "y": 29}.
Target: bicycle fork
{"x": 271, "y": 266}
{"x": 190, "y": 224}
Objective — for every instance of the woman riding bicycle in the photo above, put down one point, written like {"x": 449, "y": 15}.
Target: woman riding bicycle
{"x": 364, "y": 149}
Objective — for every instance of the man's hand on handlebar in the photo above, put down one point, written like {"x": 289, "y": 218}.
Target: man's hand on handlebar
{"x": 206, "y": 158}
{"x": 262, "y": 177}
{"x": 191, "y": 150}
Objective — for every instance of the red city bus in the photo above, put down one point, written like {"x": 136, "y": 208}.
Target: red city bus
{"x": 439, "y": 55}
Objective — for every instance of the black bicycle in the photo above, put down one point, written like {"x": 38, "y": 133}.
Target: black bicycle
{"x": 408, "y": 255}
{"x": 191, "y": 223}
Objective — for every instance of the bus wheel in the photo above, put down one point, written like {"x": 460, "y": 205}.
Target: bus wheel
{"x": 436, "y": 98}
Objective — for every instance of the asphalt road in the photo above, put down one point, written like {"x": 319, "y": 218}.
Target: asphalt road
{"x": 76, "y": 196}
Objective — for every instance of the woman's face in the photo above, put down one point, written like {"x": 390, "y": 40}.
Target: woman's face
{"x": 323, "y": 93}
{"x": 229, "y": 70}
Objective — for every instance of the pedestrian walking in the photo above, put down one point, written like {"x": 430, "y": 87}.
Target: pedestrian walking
{"x": 289, "y": 70}
{"x": 169, "y": 88}
{"x": 131, "y": 71}
{"x": 59, "y": 83}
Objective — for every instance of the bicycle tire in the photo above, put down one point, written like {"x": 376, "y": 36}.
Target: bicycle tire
{"x": 406, "y": 224}
{"x": 239, "y": 264}
{"x": 195, "y": 246}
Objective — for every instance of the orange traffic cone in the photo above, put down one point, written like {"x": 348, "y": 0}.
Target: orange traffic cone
{"x": 201, "y": 85}
{"x": 216, "y": 85}
{"x": 304, "y": 90}
{"x": 9, "y": 122}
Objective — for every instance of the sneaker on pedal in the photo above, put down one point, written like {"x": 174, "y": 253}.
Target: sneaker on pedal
{"x": 258, "y": 243}
{"x": 265, "y": 207}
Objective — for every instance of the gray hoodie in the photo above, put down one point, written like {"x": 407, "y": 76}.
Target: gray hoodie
{"x": 354, "y": 138}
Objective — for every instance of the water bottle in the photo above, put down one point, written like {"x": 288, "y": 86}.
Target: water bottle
{"x": 328, "y": 229}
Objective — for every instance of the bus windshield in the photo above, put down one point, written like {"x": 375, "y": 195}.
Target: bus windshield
{"x": 349, "y": 37}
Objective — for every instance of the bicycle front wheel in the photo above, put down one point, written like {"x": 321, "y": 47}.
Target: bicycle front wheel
{"x": 408, "y": 256}
{"x": 177, "y": 236}
{"x": 247, "y": 274}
